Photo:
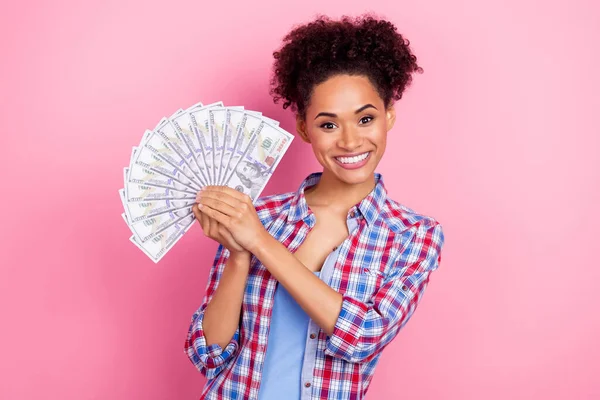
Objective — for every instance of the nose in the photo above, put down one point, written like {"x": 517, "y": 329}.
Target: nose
{"x": 349, "y": 139}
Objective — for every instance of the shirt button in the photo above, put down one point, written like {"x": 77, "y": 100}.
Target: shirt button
{"x": 353, "y": 214}
{"x": 404, "y": 287}
{"x": 312, "y": 336}
{"x": 307, "y": 384}
{"x": 335, "y": 248}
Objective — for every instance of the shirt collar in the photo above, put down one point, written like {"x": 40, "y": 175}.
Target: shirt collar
{"x": 369, "y": 207}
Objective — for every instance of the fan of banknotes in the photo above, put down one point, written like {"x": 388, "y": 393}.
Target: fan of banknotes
{"x": 203, "y": 145}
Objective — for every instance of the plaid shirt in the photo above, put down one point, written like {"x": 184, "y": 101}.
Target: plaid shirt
{"x": 382, "y": 270}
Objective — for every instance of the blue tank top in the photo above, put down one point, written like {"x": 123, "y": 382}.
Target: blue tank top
{"x": 281, "y": 377}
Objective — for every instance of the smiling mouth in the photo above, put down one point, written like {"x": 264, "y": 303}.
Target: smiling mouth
{"x": 354, "y": 159}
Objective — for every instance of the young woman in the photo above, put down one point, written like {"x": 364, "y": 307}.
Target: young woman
{"x": 308, "y": 287}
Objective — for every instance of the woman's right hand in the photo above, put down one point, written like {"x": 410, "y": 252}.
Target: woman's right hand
{"x": 216, "y": 231}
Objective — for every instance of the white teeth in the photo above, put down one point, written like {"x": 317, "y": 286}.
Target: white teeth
{"x": 352, "y": 160}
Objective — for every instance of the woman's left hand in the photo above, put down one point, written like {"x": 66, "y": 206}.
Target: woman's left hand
{"x": 235, "y": 211}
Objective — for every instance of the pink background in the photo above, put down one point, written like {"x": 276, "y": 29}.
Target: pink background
{"x": 498, "y": 140}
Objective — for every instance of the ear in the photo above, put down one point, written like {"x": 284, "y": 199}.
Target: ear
{"x": 301, "y": 128}
{"x": 390, "y": 114}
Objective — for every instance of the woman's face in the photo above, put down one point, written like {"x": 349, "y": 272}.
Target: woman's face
{"x": 346, "y": 124}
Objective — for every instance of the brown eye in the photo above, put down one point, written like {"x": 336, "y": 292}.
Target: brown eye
{"x": 327, "y": 125}
{"x": 366, "y": 119}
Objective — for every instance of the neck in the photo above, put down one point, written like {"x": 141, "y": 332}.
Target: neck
{"x": 339, "y": 195}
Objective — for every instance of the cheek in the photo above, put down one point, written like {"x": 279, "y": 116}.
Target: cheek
{"x": 322, "y": 144}
{"x": 378, "y": 135}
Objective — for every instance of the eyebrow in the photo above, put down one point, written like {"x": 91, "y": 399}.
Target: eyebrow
{"x": 332, "y": 115}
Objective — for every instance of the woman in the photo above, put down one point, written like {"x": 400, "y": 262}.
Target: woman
{"x": 308, "y": 287}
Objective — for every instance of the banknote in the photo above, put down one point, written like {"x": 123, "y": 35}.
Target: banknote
{"x": 141, "y": 210}
{"x": 145, "y": 176}
{"x": 154, "y": 225}
{"x": 156, "y": 144}
{"x": 245, "y": 130}
{"x": 201, "y": 125}
{"x": 235, "y": 122}
{"x": 199, "y": 120}
{"x": 138, "y": 192}
{"x": 160, "y": 244}
{"x": 146, "y": 158}
{"x": 254, "y": 167}
{"x": 183, "y": 124}
{"x": 218, "y": 124}
{"x": 194, "y": 147}
{"x": 175, "y": 141}
{"x": 150, "y": 227}
{"x": 149, "y": 160}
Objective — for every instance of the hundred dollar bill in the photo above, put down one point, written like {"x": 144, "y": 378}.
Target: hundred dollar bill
{"x": 150, "y": 160}
{"x": 199, "y": 120}
{"x": 270, "y": 121}
{"x": 175, "y": 141}
{"x": 183, "y": 124}
{"x": 219, "y": 124}
{"x": 266, "y": 119}
{"x": 150, "y": 227}
{"x": 137, "y": 192}
{"x": 193, "y": 107}
{"x": 160, "y": 244}
{"x": 245, "y": 129}
{"x": 234, "y": 121}
{"x": 201, "y": 126}
{"x": 254, "y": 167}
{"x": 141, "y": 210}
{"x": 145, "y": 176}
{"x": 155, "y": 143}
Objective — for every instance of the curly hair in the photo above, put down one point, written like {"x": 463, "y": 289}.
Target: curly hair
{"x": 313, "y": 52}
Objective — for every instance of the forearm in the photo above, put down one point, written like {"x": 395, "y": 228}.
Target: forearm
{"x": 317, "y": 299}
{"x": 222, "y": 314}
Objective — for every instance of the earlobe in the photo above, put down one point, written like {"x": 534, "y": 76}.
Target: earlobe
{"x": 301, "y": 129}
{"x": 391, "y": 117}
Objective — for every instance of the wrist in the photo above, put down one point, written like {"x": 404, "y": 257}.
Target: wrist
{"x": 260, "y": 243}
{"x": 240, "y": 258}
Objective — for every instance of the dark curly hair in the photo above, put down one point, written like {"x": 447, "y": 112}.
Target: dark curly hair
{"x": 313, "y": 52}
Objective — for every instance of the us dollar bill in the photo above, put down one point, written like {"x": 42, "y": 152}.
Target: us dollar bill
{"x": 199, "y": 122}
{"x": 183, "y": 124}
{"x": 245, "y": 130}
{"x": 157, "y": 145}
{"x": 160, "y": 244}
{"x": 146, "y": 176}
{"x": 172, "y": 138}
{"x": 219, "y": 123}
{"x": 201, "y": 126}
{"x": 141, "y": 210}
{"x": 235, "y": 122}
{"x": 146, "y": 158}
{"x": 150, "y": 227}
{"x": 138, "y": 192}
{"x": 202, "y": 145}
{"x": 254, "y": 167}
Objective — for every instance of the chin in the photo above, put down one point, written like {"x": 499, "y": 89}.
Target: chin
{"x": 355, "y": 177}
{"x": 352, "y": 177}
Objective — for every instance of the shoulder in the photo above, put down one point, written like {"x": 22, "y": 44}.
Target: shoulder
{"x": 399, "y": 217}
{"x": 416, "y": 234}
{"x": 272, "y": 206}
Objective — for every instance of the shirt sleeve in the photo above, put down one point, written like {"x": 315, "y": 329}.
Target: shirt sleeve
{"x": 363, "y": 330}
{"x": 210, "y": 360}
